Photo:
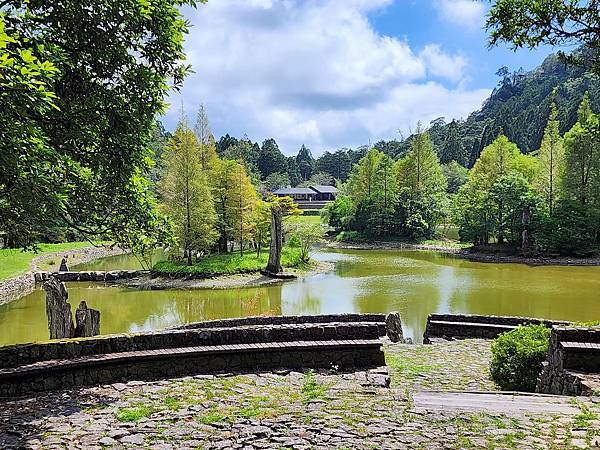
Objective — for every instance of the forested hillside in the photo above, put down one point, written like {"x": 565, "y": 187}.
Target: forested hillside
{"x": 519, "y": 107}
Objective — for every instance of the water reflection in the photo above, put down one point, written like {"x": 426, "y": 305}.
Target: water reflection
{"x": 411, "y": 282}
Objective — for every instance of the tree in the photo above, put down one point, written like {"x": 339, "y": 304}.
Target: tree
{"x": 88, "y": 150}
{"x": 224, "y": 143}
{"x": 206, "y": 141}
{"x": 456, "y": 175}
{"x": 337, "y": 164}
{"x": 293, "y": 171}
{"x": 318, "y": 179}
{"x": 305, "y": 162}
{"x": 362, "y": 181}
{"x": 551, "y": 165}
{"x": 186, "y": 193}
{"x": 270, "y": 159}
{"x": 243, "y": 150}
{"x": 275, "y": 181}
{"x": 308, "y": 234}
{"x": 452, "y": 148}
{"x": 242, "y": 202}
{"x": 582, "y": 156}
{"x": 526, "y": 23}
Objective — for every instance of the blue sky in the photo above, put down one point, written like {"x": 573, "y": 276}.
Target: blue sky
{"x": 338, "y": 73}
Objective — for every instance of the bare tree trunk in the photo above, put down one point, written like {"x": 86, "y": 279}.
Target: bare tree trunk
{"x": 274, "y": 264}
{"x": 88, "y": 321}
{"x": 58, "y": 311}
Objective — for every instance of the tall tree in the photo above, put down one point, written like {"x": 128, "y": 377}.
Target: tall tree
{"x": 293, "y": 171}
{"x": 242, "y": 205}
{"x": 270, "y": 159}
{"x": 551, "y": 157}
{"x": 452, "y": 148}
{"x": 90, "y": 152}
{"x": 363, "y": 178}
{"x": 305, "y": 162}
{"x": 186, "y": 193}
{"x": 582, "y": 156}
{"x": 206, "y": 140}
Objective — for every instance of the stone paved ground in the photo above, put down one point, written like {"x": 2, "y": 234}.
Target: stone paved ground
{"x": 294, "y": 410}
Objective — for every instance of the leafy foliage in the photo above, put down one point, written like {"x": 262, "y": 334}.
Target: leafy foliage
{"x": 517, "y": 357}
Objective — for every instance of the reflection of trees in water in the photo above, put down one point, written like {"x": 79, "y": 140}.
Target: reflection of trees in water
{"x": 301, "y": 297}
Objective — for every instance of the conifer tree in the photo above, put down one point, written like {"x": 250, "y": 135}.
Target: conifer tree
{"x": 551, "y": 159}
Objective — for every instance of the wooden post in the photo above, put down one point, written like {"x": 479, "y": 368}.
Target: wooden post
{"x": 58, "y": 310}
{"x": 88, "y": 321}
{"x": 274, "y": 264}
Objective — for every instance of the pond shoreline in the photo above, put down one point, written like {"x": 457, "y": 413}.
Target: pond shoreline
{"x": 468, "y": 254}
{"x": 247, "y": 280}
{"x": 14, "y": 288}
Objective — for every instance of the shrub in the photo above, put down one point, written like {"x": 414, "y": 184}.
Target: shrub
{"x": 517, "y": 357}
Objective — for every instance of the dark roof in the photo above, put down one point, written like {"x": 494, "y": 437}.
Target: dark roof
{"x": 325, "y": 189}
{"x": 292, "y": 191}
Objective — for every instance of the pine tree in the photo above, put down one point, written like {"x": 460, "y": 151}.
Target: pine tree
{"x": 551, "y": 159}
{"x": 186, "y": 193}
{"x": 242, "y": 204}
{"x": 207, "y": 147}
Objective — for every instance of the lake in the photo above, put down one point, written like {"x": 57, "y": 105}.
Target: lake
{"x": 415, "y": 283}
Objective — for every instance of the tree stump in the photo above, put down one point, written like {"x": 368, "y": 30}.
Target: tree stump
{"x": 87, "y": 320}
{"x": 58, "y": 310}
{"x": 393, "y": 325}
{"x": 63, "y": 266}
{"x": 274, "y": 264}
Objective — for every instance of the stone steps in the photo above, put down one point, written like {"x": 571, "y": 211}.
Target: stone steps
{"x": 161, "y": 363}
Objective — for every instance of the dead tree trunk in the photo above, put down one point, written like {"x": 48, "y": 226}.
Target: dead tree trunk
{"x": 274, "y": 264}
{"x": 58, "y": 310}
{"x": 88, "y": 321}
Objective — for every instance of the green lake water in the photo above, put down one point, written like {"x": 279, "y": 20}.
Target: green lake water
{"x": 415, "y": 283}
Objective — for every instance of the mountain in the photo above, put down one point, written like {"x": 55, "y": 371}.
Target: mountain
{"x": 518, "y": 107}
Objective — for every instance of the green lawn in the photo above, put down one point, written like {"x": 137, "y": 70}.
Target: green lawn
{"x": 231, "y": 263}
{"x": 303, "y": 219}
{"x": 14, "y": 262}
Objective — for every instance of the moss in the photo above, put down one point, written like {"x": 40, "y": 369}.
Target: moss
{"x": 133, "y": 414}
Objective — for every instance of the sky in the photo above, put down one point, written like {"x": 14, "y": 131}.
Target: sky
{"x": 337, "y": 73}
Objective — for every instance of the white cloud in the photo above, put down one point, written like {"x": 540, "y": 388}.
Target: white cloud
{"x": 467, "y": 13}
{"x": 314, "y": 72}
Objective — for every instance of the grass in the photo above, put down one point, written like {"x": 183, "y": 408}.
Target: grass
{"x": 133, "y": 414}
{"x": 14, "y": 262}
{"x": 303, "y": 219}
{"x": 232, "y": 263}
{"x": 311, "y": 389}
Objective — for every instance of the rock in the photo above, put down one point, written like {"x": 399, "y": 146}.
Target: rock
{"x": 88, "y": 321}
{"x": 393, "y": 325}
{"x": 63, "y": 266}
{"x": 58, "y": 311}
{"x": 135, "y": 439}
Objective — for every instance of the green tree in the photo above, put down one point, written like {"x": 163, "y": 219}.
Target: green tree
{"x": 305, "y": 162}
{"x": 89, "y": 126}
{"x": 453, "y": 149}
{"x": 293, "y": 171}
{"x": 337, "y": 164}
{"x": 456, "y": 175}
{"x": 186, "y": 193}
{"x": 242, "y": 205}
{"x": 551, "y": 165}
{"x": 206, "y": 141}
{"x": 275, "y": 181}
{"x": 270, "y": 159}
{"x": 527, "y": 23}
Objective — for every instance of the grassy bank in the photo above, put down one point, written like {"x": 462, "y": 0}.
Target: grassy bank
{"x": 232, "y": 263}
{"x": 14, "y": 262}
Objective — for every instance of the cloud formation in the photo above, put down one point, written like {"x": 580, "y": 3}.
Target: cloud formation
{"x": 466, "y": 13}
{"x": 314, "y": 72}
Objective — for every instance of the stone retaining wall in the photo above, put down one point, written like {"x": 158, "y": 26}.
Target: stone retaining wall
{"x": 340, "y": 355}
{"x": 568, "y": 368}
{"x": 18, "y": 355}
{"x": 469, "y": 326}
{"x": 99, "y": 276}
{"x": 17, "y": 287}
{"x": 279, "y": 320}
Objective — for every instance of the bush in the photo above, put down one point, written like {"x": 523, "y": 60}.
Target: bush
{"x": 517, "y": 357}
{"x": 348, "y": 236}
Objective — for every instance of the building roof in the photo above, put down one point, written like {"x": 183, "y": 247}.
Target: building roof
{"x": 324, "y": 189}
{"x": 292, "y": 191}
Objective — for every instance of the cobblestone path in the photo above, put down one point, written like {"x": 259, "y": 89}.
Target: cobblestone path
{"x": 300, "y": 410}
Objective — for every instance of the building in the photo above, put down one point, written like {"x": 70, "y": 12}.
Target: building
{"x": 312, "y": 197}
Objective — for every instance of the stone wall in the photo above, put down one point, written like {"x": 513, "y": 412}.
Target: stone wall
{"x": 279, "y": 320}
{"x": 98, "y": 276}
{"x": 573, "y": 362}
{"x": 17, "y": 287}
{"x": 468, "y": 326}
{"x": 18, "y": 355}
{"x": 248, "y": 357}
